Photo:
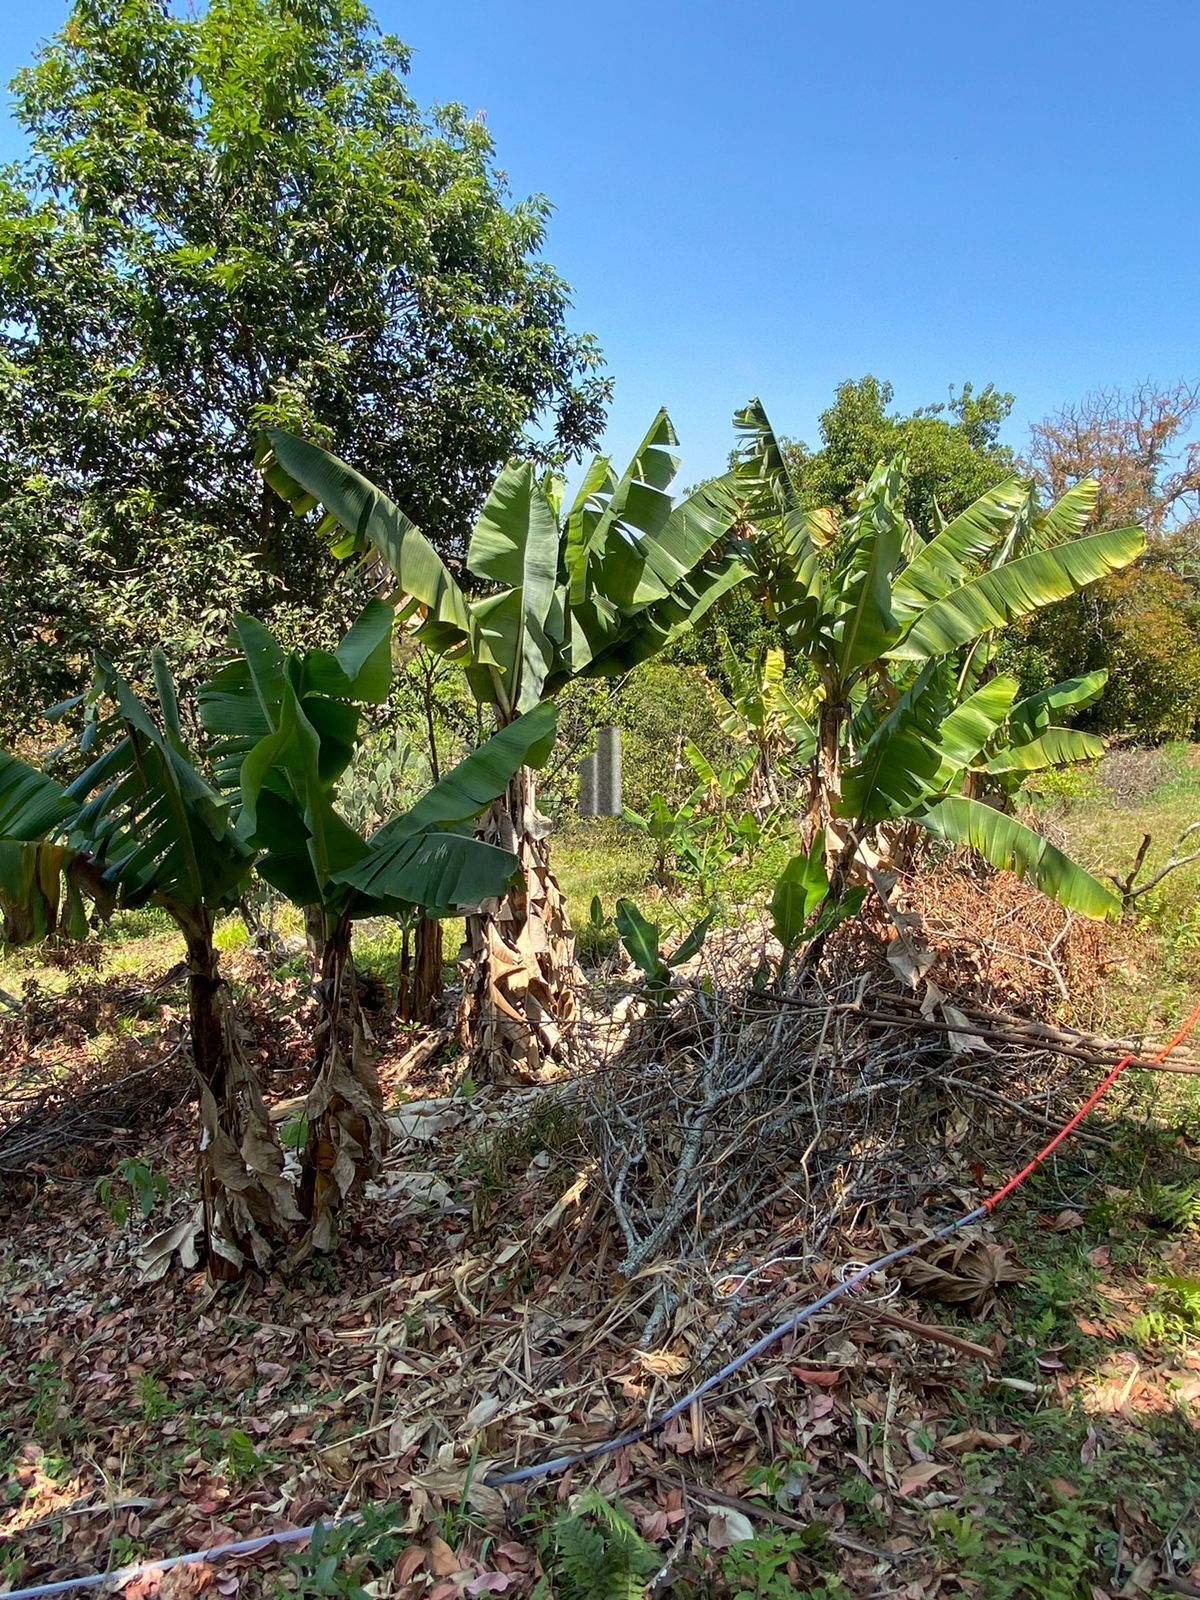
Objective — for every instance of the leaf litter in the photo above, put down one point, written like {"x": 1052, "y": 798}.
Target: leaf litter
{"x": 476, "y": 1313}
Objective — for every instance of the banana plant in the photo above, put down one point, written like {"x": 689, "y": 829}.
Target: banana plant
{"x": 802, "y": 908}
{"x": 152, "y": 830}
{"x": 285, "y": 727}
{"x": 586, "y": 588}
{"x": 898, "y": 629}
{"x": 762, "y": 712}
{"x": 641, "y": 939}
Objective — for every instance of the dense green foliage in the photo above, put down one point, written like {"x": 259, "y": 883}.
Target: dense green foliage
{"x": 899, "y": 630}
{"x": 226, "y": 219}
{"x": 952, "y": 451}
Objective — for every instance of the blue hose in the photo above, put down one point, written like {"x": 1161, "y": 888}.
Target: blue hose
{"x": 634, "y": 1435}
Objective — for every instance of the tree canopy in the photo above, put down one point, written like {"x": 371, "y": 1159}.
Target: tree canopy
{"x": 953, "y": 450}
{"x": 230, "y": 219}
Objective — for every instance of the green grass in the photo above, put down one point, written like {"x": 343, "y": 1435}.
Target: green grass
{"x": 1159, "y": 976}
{"x": 599, "y": 855}
{"x": 1104, "y": 832}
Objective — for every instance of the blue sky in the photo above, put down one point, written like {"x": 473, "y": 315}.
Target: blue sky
{"x": 770, "y": 198}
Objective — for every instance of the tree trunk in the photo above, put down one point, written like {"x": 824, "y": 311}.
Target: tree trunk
{"x": 826, "y": 783}
{"x": 247, "y": 1203}
{"x": 419, "y": 994}
{"x": 347, "y": 1130}
{"x": 519, "y": 968}
{"x": 314, "y": 936}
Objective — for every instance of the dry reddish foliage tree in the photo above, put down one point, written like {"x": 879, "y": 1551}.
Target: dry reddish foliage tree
{"x": 1130, "y": 441}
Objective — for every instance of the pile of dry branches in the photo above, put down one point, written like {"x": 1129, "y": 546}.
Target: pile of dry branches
{"x": 728, "y": 1120}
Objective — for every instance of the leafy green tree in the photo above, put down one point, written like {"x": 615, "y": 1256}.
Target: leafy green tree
{"x": 586, "y": 590}
{"x": 900, "y": 632}
{"x": 953, "y": 450}
{"x": 229, "y": 217}
{"x": 1146, "y": 629}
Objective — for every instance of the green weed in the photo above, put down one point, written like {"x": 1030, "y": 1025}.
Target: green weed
{"x": 341, "y": 1561}
{"x": 147, "y": 1188}
{"x": 593, "y": 1552}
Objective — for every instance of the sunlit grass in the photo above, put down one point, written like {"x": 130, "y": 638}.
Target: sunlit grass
{"x": 1105, "y": 834}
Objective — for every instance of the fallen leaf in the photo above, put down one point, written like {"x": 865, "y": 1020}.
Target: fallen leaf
{"x": 727, "y": 1527}
{"x": 919, "y": 1475}
{"x": 979, "y": 1439}
{"x": 442, "y": 1560}
{"x": 819, "y": 1380}
{"x": 491, "y": 1583}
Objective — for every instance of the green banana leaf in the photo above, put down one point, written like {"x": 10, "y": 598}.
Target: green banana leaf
{"x": 583, "y": 519}
{"x": 946, "y": 561}
{"x": 604, "y": 643}
{"x": 144, "y": 811}
{"x": 306, "y": 475}
{"x": 900, "y": 762}
{"x": 616, "y": 558}
{"x": 1038, "y": 711}
{"x": 1070, "y": 513}
{"x": 1056, "y": 747}
{"x": 515, "y": 543}
{"x": 760, "y": 467}
{"x": 32, "y": 805}
{"x": 640, "y": 938}
{"x": 968, "y": 727}
{"x": 441, "y": 873}
{"x": 1009, "y": 844}
{"x": 799, "y": 890}
{"x": 999, "y": 597}
{"x": 399, "y": 857}
{"x": 865, "y": 625}
{"x": 360, "y": 668}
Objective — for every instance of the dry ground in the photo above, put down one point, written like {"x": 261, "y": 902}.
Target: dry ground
{"x": 1014, "y": 1418}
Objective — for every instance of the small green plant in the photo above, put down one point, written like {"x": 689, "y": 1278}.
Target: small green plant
{"x": 801, "y": 907}
{"x": 595, "y": 937}
{"x": 1173, "y": 1315}
{"x": 124, "y": 1551}
{"x": 147, "y": 1188}
{"x": 641, "y": 940}
{"x": 497, "y": 1159}
{"x": 669, "y": 829}
{"x": 1057, "y": 1562}
{"x": 341, "y": 1560}
{"x": 765, "y": 1567}
{"x": 153, "y": 1399}
{"x": 242, "y": 1460}
{"x": 593, "y": 1552}
{"x": 45, "y": 1408}
{"x": 1064, "y": 788}
{"x": 1057, "y": 1292}
{"x": 1174, "y": 1207}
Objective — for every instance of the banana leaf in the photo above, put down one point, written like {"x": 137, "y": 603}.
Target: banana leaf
{"x": 946, "y": 561}
{"x": 1009, "y": 844}
{"x": 865, "y": 625}
{"x": 364, "y": 519}
{"x": 1056, "y": 747}
{"x": 32, "y": 805}
{"x": 999, "y": 597}
{"x": 1038, "y": 711}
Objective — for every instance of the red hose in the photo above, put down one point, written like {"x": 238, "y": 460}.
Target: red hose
{"x": 1125, "y": 1061}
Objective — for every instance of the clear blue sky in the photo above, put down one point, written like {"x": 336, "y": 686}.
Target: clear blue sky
{"x": 768, "y": 198}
